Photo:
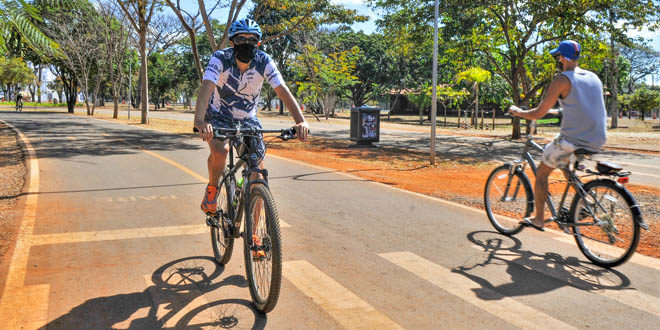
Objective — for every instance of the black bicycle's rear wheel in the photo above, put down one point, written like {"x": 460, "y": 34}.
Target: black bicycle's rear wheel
{"x": 613, "y": 242}
{"x": 508, "y": 198}
{"x": 264, "y": 274}
{"x": 222, "y": 240}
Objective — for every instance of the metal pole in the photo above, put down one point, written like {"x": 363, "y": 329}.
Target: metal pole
{"x": 130, "y": 80}
{"x": 434, "y": 97}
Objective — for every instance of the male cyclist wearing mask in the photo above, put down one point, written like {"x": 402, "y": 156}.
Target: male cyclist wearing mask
{"x": 583, "y": 125}
{"x": 229, "y": 94}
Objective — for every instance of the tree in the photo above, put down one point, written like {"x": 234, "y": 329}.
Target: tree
{"x": 616, "y": 18}
{"x": 322, "y": 77}
{"x": 139, "y": 13}
{"x": 371, "y": 68}
{"x": 191, "y": 24}
{"x": 78, "y": 33}
{"x": 14, "y": 72}
{"x": 476, "y": 76}
{"x": 644, "y": 100}
{"x": 162, "y": 77}
{"x": 116, "y": 42}
{"x": 643, "y": 61}
{"x": 19, "y": 26}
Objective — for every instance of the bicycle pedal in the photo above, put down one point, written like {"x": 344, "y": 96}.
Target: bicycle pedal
{"x": 212, "y": 221}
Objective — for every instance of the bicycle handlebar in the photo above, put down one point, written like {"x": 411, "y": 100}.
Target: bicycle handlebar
{"x": 224, "y": 133}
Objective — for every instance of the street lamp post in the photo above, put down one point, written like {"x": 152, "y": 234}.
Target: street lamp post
{"x": 434, "y": 97}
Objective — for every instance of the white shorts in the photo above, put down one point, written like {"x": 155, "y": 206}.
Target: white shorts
{"x": 559, "y": 153}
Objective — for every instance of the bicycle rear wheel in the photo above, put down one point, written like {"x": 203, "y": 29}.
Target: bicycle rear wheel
{"x": 508, "y": 198}
{"x": 222, "y": 239}
{"x": 264, "y": 273}
{"x": 613, "y": 242}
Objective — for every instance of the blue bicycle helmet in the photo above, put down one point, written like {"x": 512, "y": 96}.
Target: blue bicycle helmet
{"x": 245, "y": 25}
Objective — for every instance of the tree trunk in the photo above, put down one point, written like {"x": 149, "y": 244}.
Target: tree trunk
{"x": 281, "y": 106}
{"x": 144, "y": 95}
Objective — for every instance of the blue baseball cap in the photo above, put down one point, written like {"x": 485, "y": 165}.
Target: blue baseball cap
{"x": 569, "y": 49}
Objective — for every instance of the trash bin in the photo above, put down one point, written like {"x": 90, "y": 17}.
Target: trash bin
{"x": 365, "y": 125}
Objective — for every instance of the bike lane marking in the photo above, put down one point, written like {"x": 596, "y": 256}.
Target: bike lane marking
{"x": 344, "y": 306}
{"x": 505, "y": 308}
{"x": 24, "y": 306}
{"x": 627, "y": 296}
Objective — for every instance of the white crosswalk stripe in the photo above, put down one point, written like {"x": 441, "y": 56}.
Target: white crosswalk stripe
{"x": 627, "y": 296}
{"x": 505, "y": 308}
{"x": 344, "y": 306}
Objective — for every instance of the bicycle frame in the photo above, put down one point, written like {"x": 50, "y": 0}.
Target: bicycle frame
{"x": 244, "y": 191}
{"x": 573, "y": 180}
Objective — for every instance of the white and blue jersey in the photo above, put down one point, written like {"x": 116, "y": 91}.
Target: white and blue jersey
{"x": 237, "y": 93}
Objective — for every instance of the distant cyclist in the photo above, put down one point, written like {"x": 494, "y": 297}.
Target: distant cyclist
{"x": 229, "y": 95}
{"x": 19, "y": 99}
{"x": 584, "y": 122}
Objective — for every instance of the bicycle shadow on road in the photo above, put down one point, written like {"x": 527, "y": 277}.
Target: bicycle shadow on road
{"x": 533, "y": 273}
{"x": 173, "y": 300}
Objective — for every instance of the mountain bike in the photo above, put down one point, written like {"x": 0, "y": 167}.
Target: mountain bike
{"x": 603, "y": 217}
{"x": 243, "y": 195}
{"x": 19, "y": 105}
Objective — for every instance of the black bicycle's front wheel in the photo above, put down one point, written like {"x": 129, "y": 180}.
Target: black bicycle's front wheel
{"x": 508, "y": 197}
{"x": 222, "y": 239}
{"x": 615, "y": 236}
{"x": 263, "y": 250}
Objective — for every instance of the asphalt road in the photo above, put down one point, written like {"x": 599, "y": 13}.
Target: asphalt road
{"x": 112, "y": 237}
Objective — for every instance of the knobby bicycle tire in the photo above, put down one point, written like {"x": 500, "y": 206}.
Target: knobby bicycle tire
{"x": 593, "y": 233}
{"x": 222, "y": 254}
{"x": 264, "y": 299}
{"x": 512, "y": 213}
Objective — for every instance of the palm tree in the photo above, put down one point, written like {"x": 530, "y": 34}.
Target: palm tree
{"x": 17, "y": 25}
{"x": 475, "y": 75}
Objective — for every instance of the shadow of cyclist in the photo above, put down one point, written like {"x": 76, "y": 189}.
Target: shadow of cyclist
{"x": 174, "y": 287}
{"x": 529, "y": 271}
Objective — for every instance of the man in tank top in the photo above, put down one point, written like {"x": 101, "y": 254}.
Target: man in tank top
{"x": 584, "y": 122}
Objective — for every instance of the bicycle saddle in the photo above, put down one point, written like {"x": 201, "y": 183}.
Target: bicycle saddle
{"x": 607, "y": 167}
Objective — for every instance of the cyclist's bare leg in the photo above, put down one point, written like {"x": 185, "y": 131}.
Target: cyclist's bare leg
{"x": 217, "y": 159}
{"x": 541, "y": 192}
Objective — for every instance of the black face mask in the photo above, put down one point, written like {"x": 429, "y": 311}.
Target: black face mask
{"x": 245, "y": 52}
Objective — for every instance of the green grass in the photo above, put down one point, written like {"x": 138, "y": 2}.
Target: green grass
{"x": 35, "y": 104}
{"x": 548, "y": 121}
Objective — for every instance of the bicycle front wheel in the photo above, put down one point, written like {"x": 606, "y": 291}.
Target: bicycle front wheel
{"x": 508, "y": 197}
{"x": 263, "y": 253}
{"x": 222, "y": 239}
{"x": 614, "y": 240}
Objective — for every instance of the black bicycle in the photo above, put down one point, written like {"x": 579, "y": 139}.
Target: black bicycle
{"x": 251, "y": 197}
{"x": 603, "y": 216}
{"x": 19, "y": 105}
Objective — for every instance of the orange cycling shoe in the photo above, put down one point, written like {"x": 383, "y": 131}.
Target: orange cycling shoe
{"x": 210, "y": 201}
{"x": 258, "y": 254}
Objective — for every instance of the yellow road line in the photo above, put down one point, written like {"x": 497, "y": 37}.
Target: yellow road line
{"x": 583, "y": 277}
{"x": 342, "y": 304}
{"x": 15, "y": 296}
{"x": 505, "y": 308}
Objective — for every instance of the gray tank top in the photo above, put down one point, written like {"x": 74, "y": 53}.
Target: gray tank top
{"x": 584, "y": 121}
